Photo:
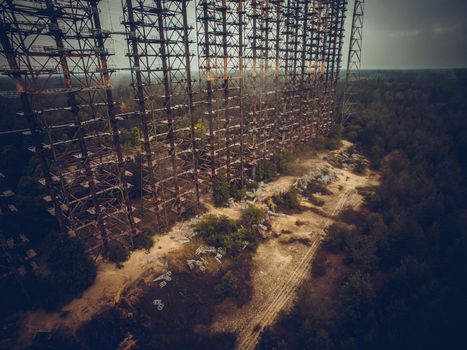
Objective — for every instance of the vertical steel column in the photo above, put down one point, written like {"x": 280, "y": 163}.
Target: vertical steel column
{"x": 168, "y": 103}
{"x": 73, "y": 104}
{"x": 190, "y": 101}
{"x": 146, "y": 146}
{"x": 36, "y": 131}
{"x": 354, "y": 59}
{"x": 112, "y": 118}
{"x": 241, "y": 11}
{"x": 225, "y": 88}
{"x": 209, "y": 79}
{"x": 254, "y": 121}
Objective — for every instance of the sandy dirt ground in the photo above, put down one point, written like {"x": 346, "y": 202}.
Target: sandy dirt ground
{"x": 281, "y": 263}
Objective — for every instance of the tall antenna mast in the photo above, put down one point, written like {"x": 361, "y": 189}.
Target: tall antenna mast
{"x": 354, "y": 59}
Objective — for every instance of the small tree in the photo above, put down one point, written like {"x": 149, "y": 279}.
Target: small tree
{"x": 227, "y": 287}
{"x": 220, "y": 192}
{"x": 336, "y": 236}
{"x": 237, "y": 192}
{"x": 215, "y": 228}
{"x": 71, "y": 269}
{"x": 144, "y": 240}
{"x": 287, "y": 201}
{"x": 266, "y": 170}
{"x": 252, "y": 215}
{"x": 118, "y": 253}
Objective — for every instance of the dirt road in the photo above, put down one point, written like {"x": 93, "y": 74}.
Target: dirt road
{"x": 248, "y": 335}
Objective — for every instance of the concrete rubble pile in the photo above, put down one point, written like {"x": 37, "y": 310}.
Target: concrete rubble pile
{"x": 200, "y": 264}
{"x": 347, "y": 159}
{"x": 322, "y": 175}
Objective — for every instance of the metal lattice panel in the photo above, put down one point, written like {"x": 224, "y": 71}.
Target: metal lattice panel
{"x": 57, "y": 55}
{"x": 266, "y": 81}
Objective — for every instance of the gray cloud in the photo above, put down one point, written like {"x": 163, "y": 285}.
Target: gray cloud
{"x": 414, "y": 33}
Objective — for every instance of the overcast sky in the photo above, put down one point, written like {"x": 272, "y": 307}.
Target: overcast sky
{"x": 397, "y": 33}
{"x": 414, "y": 33}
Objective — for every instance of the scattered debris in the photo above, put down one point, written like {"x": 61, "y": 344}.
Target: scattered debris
{"x": 166, "y": 276}
{"x": 151, "y": 259}
{"x": 322, "y": 174}
{"x": 159, "y": 304}
{"x": 347, "y": 159}
{"x": 206, "y": 250}
{"x": 192, "y": 264}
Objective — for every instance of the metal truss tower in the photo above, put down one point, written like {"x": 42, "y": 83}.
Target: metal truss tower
{"x": 266, "y": 81}
{"x": 354, "y": 59}
{"x": 158, "y": 36}
{"x": 57, "y": 55}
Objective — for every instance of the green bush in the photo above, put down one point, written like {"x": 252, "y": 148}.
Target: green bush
{"x": 220, "y": 192}
{"x": 252, "y": 185}
{"x": 215, "y": 228}
{"x": 336, "y": 236}
{"x": 360, "y": 167}
{"x": 143, "y": 240}
{"x": 248, "y": 235}
{"x": 118, "y": 253}
{"x": 287, "y": 201}
{"x": 252, "y": 215}
{"x": 237, "y": 192}
{"x": 189, "y": 212}
{"x": 266, "y": 170}
{"x": 71, "y": 269}
{"x": 220, "y": 231}
{"x": 234, "y": 242}
{"x": 282, "y": 161}
{"x": 227, "y": 287}
{"x": 333, "y": 141}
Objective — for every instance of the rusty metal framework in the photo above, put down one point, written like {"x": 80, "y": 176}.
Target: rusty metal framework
{"x": 159, "y": 49}
{"x": 221, "y": 44}
{"x": 219, "y": 87}
{"x": 57, "y": 55}
{"x": 354, "y": 59}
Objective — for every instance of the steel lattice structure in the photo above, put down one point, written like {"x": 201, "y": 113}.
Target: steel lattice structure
{"x": 354, "y": 58}
{"x": 219, "y": 86}
{"x": 57, "y": 54}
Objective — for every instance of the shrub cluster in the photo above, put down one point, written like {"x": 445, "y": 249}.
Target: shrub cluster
{"x": 220, "y": 191}
{"x": 118, "y": 253}
{"x": 287, "y": 201}
{"x": 143, "y": 240}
